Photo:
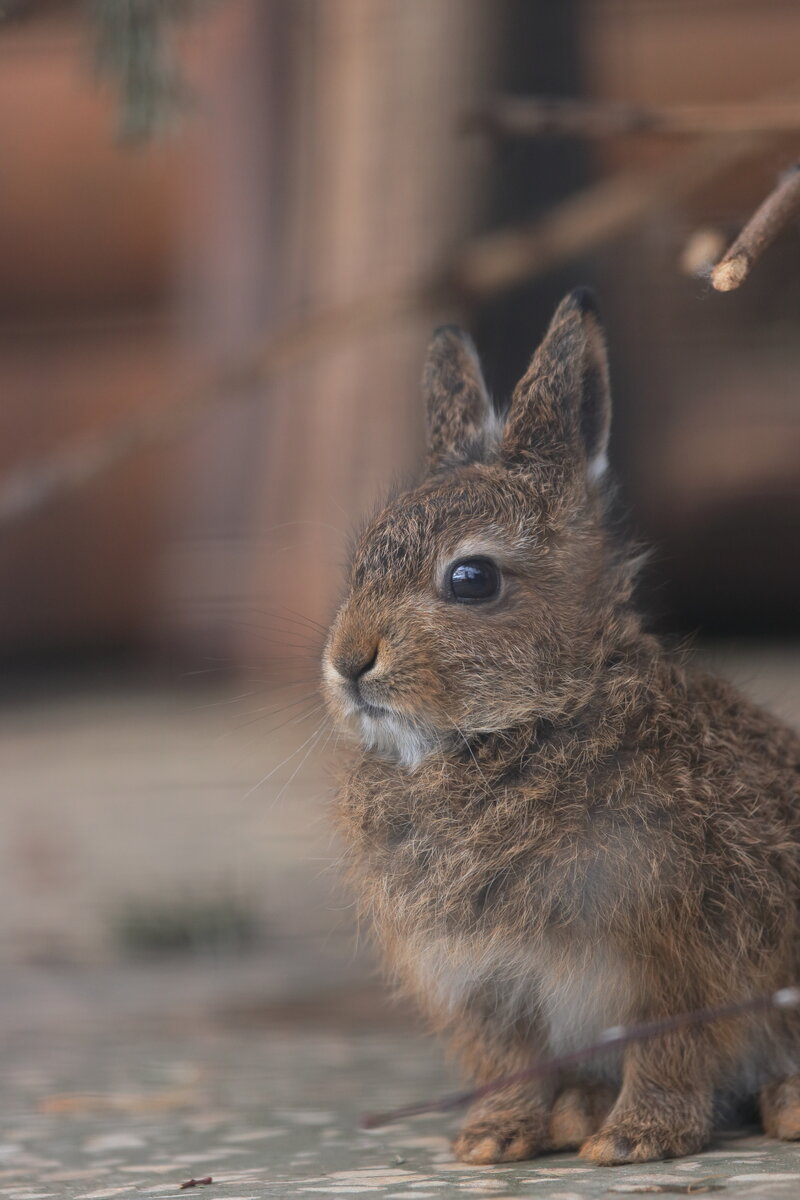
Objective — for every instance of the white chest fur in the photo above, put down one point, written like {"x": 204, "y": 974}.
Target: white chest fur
{"x": 570, "y": 994}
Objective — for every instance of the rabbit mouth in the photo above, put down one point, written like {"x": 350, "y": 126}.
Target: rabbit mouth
{"x": 376, "y": 711}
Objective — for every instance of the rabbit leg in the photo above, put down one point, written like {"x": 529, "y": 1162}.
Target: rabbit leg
{"x": 578, "y": 1112}
{"x": 780, "y": 1108}
{"x": 664, "y": 1109}
{"x": 509, "y": 1125}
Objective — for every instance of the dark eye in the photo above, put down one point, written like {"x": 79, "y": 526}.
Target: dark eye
{"x": 474, "y": 579}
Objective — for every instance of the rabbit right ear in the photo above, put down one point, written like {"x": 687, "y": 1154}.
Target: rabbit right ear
{"x": 561, "y": 410}
{"x": 459, "y": 411}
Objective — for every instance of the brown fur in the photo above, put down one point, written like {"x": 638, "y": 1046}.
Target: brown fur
{"x": 554, "y": 824}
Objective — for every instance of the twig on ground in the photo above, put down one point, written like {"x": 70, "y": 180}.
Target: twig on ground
{"x": 781, "y": 206}
{"x": 711, "y": 1183}
{"x": 546, "y": 116}
{"x": 611, "y": 1039}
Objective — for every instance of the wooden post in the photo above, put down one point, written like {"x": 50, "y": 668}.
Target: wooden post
{"x": 366, "y": 186}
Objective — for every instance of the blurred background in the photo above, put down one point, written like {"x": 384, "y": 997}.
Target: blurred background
{"x": 226, "y": 231}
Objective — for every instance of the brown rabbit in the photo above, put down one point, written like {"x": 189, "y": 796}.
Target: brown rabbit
{"x": 555, "y": 825}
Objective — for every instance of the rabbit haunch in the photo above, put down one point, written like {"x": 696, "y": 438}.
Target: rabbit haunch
{"x": 554, "y": 824}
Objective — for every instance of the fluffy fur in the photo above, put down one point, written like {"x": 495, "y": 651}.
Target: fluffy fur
{"x": 554, "y": 825}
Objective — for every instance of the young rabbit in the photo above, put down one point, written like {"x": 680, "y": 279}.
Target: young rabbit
{"x": 555, "y": 825}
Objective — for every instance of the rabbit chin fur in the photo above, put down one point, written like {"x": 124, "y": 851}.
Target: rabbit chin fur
{"x": 554, "y": 825}
{"x": 396, "y": 739}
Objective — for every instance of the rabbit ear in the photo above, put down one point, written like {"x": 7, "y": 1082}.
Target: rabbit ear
{"x": 458, "y": 407}
{"x": 561, "y": 410}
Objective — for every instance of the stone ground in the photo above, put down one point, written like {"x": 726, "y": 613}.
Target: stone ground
{"x": 125, "y": 1078}
{"x": 269, "y": 1108}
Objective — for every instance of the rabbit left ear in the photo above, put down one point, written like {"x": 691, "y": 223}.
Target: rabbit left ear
{"x": 459, "y": 411}
{"x": 561, "y": 410}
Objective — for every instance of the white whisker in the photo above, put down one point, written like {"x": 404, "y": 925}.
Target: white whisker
{"x": 282, "y": 763}
{"x": 316, "y": 736}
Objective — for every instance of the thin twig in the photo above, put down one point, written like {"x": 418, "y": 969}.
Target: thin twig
{"x": 545, "y": 116}
{"x": 592, "y": 216}
{"x": 611, "y": 1039}
{"x": 781, "y": 206}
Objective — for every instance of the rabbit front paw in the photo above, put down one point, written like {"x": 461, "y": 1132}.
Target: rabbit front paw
{"x": 780, "y": 1109}
{"x": 503, "y": 1136}
{"x": 636, "y": 1139}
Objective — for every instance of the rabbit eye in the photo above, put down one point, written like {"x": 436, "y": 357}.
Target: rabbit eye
{"x": 473, "y": 580}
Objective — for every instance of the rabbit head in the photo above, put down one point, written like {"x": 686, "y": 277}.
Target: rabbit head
{"x": 477, "y": 600}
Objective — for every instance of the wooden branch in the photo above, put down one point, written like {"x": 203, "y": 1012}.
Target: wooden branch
{"x": 591, "y": 217}
{"x": 542, "y": 116}
{"x": 781, "y": 207}
{"x": 33, "y": 486}
{"x": 482, "y": 269}
{"x": 611, "y": 1039}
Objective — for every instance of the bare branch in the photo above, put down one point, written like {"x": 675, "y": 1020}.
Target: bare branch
{"x": 33, "y": 486}
{"x": 781, "y": 206}
{"x": 544, "y": 116}
{"x": 595, "y": 215}
{"x": 611, "y": 1039}
{"x": 483, "y": 268}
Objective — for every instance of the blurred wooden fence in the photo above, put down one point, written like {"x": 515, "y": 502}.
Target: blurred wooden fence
{"x": 322, "y": 173}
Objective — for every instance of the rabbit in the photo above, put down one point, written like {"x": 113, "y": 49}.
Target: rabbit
{"x": 554, "y": 824}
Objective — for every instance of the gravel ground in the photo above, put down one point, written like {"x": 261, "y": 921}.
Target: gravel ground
{"x": 274, "y": 1112}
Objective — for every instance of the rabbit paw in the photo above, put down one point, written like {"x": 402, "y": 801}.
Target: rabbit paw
{"x": 500, "y": 1137}
{"x": 780, "y": 1109}
{"x": 630, "y": 1139}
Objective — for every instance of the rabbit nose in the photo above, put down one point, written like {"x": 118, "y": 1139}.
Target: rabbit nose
{"x": 357, "y": 663}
